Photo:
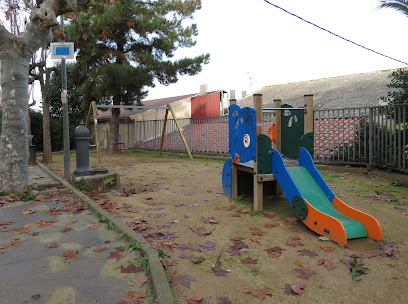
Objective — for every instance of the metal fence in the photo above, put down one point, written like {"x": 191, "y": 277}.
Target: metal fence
{"x": 375, "y": 136}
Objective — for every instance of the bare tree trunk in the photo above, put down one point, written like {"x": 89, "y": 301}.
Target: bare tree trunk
{"x": 45, "y": 82}
{"x": 114, "y": 130}
{"x": 15, "y": 53}
{"x": 14, "y": 153}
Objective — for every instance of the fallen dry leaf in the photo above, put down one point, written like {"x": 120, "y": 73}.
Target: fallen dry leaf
{"x": 294, "y": 243}
{"x": 259, "y": 293}
{"x": 21, "y": 231}
{"x": 196, "y": 300}
{"x": 295, "y": 289}
{"x": 183, "y": 280}
{"x": 303, "y": 264}
{"x": 53, "y": 245}
{"x": 219, "y": 272}
{"x": 140, "y": 280}
{"x": 327, "y": 263}
{"x": 100, "y": 249}
{"x": 131, "y": 268}
{"x": 67, "y": 229}
{"x": 305, "y": 273}
{"x": 15, "y": 243}
{"x": 70, "y": 254}
{"x": 328, "y": 248}
{"x": 93, "y": 227}
{"x": 256, "y": 231}
{"x": 269, "y": 215}
{"x": 210, "y": 220}
{"x": 202, "y": 231}
{"x": 308, "y": 253}
{"x": 224, "y": 300}
{"x": 197, "y": 260}
{"x": 114, "y": 255}
{"x": 28, "y": 211}
{"x": 249, "y": 260}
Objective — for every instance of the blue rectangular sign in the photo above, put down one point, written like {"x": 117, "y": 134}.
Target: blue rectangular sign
{"x": 62, "y": 50}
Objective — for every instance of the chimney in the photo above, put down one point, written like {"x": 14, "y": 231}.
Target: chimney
{"x": 232, "y": 94}
{"x": 204, "y": 88}
{"x": 244, "y": 94}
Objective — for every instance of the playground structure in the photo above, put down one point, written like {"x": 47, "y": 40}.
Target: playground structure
{"x": 119, "y": 146}
{"x": 311, "y": 199}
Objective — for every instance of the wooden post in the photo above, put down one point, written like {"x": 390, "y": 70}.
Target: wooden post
{"x": 181, "y": 133}
{"x": 308, "y": 114}
{"x": 258, "y": 186}
{"x": 278, "y": 121}
{"x": 88, "y": 118}
{"x": 163, "y": 132}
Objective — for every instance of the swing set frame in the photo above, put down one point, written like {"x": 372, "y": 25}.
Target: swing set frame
{"x": 93, "y": 112}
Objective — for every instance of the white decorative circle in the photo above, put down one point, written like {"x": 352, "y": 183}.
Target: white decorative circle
{"x": 247, "y": 140}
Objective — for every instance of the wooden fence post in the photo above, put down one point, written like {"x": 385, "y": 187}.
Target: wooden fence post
{"x": 308, "y": 114}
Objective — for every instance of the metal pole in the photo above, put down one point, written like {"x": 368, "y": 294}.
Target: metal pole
{"x": 65, "y": 118}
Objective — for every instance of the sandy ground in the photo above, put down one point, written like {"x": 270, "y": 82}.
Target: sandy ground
{"x": 264, "y": 257}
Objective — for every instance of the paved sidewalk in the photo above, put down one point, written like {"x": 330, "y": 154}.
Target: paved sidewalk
{"x": 53, "y": 251}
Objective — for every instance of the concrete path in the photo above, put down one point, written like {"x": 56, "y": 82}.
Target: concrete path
{"x": 52, "y": 251}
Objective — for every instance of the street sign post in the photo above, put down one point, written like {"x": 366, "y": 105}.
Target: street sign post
{"x": 62, "y": 50}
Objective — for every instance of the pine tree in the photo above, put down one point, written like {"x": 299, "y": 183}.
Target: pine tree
{"x": 125, "y": 45}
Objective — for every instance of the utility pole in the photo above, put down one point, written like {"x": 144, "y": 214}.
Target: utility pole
{"x": 65, "y": 117}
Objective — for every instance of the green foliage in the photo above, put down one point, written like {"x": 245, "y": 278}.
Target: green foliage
{"x": 253, "y": 212}
{"x": 24, "y": 196}
{"x": 123, "y": 46}
{"x": 143, "y": 261}
{"x": 113, "y": 182}
{"x": 161, "y": 253}
{"x": 135, "y": 245}
{"x": 103, "y": 219}
{"x": 82, "y": 185}
{"x": 398, "y": 183}
{"x": 357, "y": 270}
{"x": 399, "y": 88}
{"x": 238, "y": 199}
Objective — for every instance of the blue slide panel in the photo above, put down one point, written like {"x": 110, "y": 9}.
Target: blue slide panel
{"x": 306, "y": 160}
{"x": 283, "y": 177}
{"x": 242, "y": 123}
{"x": 227, "y": 177}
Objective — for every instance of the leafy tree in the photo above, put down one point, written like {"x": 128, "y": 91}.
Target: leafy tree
{"x": 16, "y": 50}
{"x": 125, "y": 45}
{"x": 398, "y": 5}
{"x": 399, "y": 88}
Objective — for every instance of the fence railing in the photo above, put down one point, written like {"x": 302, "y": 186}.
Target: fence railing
{"x": 375, "y": 136}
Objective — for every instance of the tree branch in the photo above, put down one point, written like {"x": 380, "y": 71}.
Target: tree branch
{"x": 5, "y": 39}
{"x": 42, "y": 20}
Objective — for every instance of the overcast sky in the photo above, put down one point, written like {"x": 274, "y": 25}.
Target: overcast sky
{"x": 253, "y": 44}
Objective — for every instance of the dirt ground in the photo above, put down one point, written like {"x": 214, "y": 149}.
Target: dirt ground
{"x": 265, "y": 257}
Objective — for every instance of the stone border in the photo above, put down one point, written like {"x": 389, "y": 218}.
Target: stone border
{"x": 160, "y": 284}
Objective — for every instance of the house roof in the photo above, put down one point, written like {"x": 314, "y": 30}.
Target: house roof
{"x": 126, "y": 113}
{"x": 350, "y": 91}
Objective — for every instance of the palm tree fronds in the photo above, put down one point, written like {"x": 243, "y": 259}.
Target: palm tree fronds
{"x": 398, "y": 5}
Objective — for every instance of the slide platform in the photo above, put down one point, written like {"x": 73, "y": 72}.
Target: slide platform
{"x": 315, "y": 204}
